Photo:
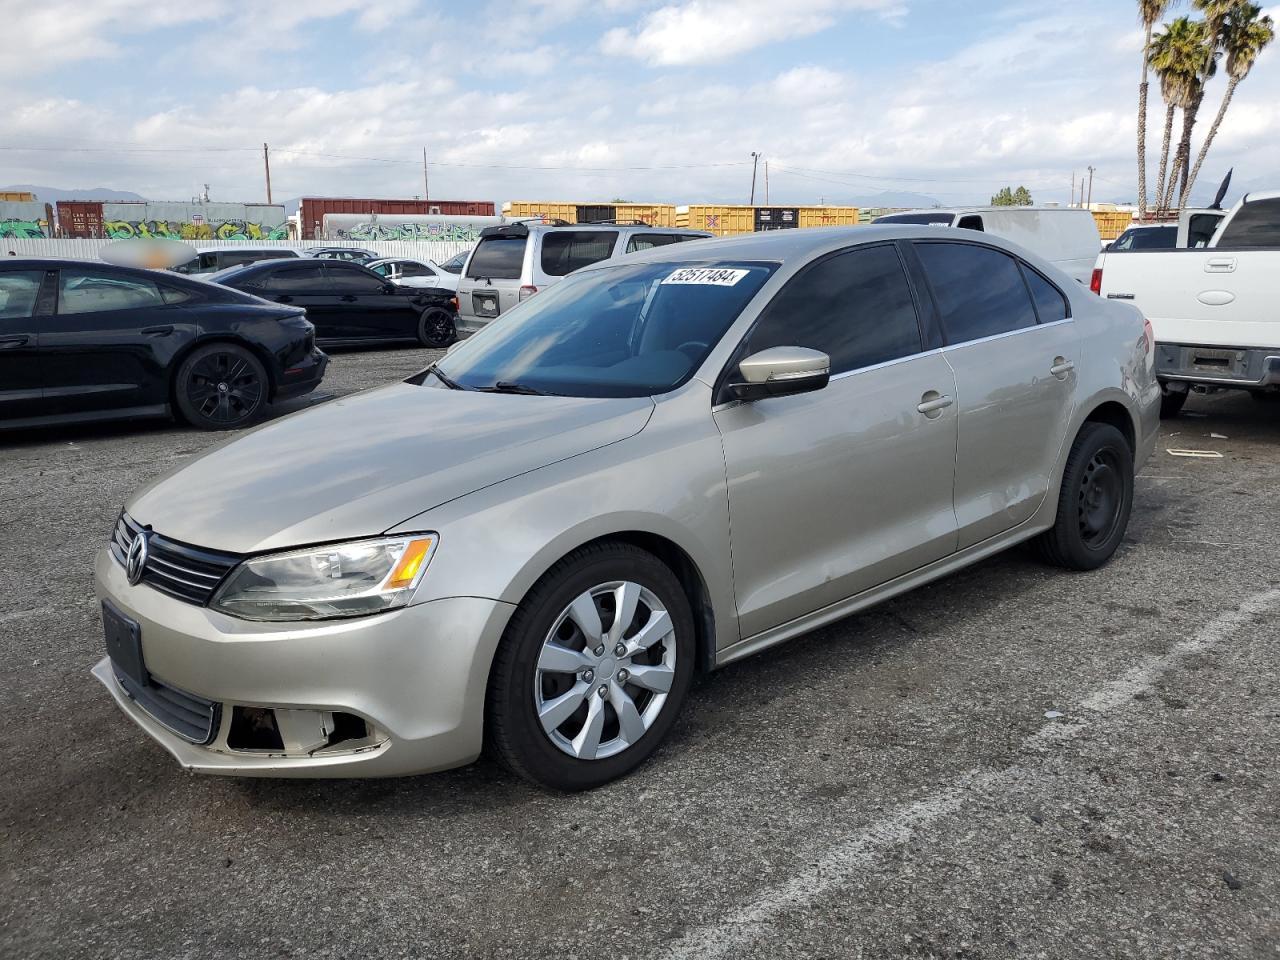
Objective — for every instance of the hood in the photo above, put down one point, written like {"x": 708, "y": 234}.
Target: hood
{"x": 357, "y": 466}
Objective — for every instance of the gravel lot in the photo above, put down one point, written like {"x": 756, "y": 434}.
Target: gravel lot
{"x": 887, "y": 787}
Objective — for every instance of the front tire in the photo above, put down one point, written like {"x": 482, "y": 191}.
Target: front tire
{"x": 1094, "y": 502}
{"x": 221, "y": 386}
{"x": 592, "y": 670}
{"x": 436, "y": 327}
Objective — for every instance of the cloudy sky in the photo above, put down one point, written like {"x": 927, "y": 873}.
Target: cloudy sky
{"x": 574, "y": 99}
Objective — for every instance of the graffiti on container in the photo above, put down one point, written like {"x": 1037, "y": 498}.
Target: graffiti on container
{"x": 13, "y": 229}
{"x": 451, "y": 232}
{"x": 173, "y": 230}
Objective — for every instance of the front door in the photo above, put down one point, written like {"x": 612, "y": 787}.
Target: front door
{"x": 1013, "y": 348}
{"x": 837, "y": 491}
{"x": 373, "y": 308}
{"x": 20, "y": 321}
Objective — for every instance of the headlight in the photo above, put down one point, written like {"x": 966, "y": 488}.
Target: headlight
{"x": 339, "y": 580}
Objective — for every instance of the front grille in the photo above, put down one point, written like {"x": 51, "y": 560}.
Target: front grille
{"x": 178, "y": 569}
{"x": 190, "y": 717}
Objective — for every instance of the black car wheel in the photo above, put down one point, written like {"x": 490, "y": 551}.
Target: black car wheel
{"x": 1094, "y": 502}
{"x": 221, "y": 387}
{"x": 436, "y": 327}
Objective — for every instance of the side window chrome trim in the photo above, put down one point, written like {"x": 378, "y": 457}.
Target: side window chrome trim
{"x": 1007, "y": 333}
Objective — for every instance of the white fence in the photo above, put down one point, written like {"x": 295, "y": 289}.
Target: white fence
{"x": 89, "y": 249}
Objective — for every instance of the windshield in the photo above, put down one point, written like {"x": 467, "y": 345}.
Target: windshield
{"x": 625, "y": 331}
{"x": 1147, "y": 238}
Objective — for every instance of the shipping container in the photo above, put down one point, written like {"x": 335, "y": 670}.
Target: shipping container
{"x": 17, "y": 196}
{"x": 405, "y": 226}
{"x": 830, "y": 216}
{"x": 170, "y": 220}
{"x": 1112, "y": 223}
{"x": 81, "y": 219}
{"x": 723, "y": 221}
{"x": 776, "y": 218}
{"x": 312, "y": 210}
{"x": 572, "y": 211}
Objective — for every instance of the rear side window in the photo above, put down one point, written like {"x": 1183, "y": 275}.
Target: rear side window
{"x": 1256, "y": 226}
{"x": 979, "y": 291}
{"x": 18, "y": 293}
{"x": 350, "y": 278}
{"x": 498, "y": 258}
{"x": 83, "y": 291}
{"x": 299, "y": 279}
{"x": 854, "y": 306}
{"x": 1147, "y": 238}
{"x": 1050, "y": 304}
{"x": 569, "y": 250}
{"x": 174, "y": 295}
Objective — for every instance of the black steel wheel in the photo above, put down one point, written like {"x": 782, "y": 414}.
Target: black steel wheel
{"x": 221, "y": 387}
{"x": 436, "y": 327}
{"x": 1094, "y": 502}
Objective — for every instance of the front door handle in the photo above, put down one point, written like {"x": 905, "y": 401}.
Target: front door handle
{"x": 933, "y": 403}
{"x": 12, "y": 343}
{"x": 163, "y": 330}
{"x": 1061, "y": 367}
{"x": 1220, "y": 265}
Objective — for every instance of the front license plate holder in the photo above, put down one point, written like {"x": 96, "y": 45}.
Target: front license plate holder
{"x": 124, "y": 644}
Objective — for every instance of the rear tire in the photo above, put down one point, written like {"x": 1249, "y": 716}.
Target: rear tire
{"x": 221, "y": 386}
{"x": 436, "y": 327}
{"x": 1094, "y": 502}
{"x": 546, "y": 717}
{"x": 1171, "y": 402}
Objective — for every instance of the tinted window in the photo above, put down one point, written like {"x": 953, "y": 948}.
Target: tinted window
{"x": 302, "y": 278}
{"x": 971, "y": 222}
{"x": 498, "y": 258}
{"x": 647, "y": 241}
{"x": 979, "y": 291}
{"x": 18, "y": 292}
{"x": 1200, "y": 228}
{"x": 621, "y": 331}
{"x": 172, "y": 295}
{"x": 1051, "y": 305}
{"x": 411, "y": 269}
{"x": 349, "y": 278}
{"x": 82, "y": 291}
{"x": 454, "y": 263}
{"x": 568, "y": 250}
{"x": 855, "y": 307}
{"x": 1147, "y": 238}
{"x": 1255, "y": 226}
{"x": 383, "y": 269}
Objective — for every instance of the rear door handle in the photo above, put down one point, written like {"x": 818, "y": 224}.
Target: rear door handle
{"x": 12, "y": 343}
{"x": 1220, "y": 265}
{"x": 934, "y": 403}
{"x": 1061, "y": 367}
{"x": 163, "y": 330}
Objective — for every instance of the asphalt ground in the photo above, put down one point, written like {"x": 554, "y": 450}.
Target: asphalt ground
{"x": 1011, "y": 762}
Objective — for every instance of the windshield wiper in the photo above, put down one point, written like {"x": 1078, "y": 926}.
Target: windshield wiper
{"x": 434, "y": 370}
{"x": 510, "y": 386}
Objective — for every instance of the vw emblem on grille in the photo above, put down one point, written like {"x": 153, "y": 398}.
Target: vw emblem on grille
{"x": 135, "y": 561}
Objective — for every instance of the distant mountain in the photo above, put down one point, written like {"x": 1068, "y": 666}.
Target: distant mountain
{"x": 894, "y": 198}
{"x": 54, "y": 194}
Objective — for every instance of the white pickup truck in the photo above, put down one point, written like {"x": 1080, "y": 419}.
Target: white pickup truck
{"x": 1215, "y": 310}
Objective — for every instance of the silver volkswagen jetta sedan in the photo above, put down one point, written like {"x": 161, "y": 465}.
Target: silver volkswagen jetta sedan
{"x": 660, "y": 465}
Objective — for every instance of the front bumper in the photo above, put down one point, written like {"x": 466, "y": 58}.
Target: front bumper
{"x": 1246, "y": 367}
{"x": 417, "y": 676}
{"x": 304, "y": 377}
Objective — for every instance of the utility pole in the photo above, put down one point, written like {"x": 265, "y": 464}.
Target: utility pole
{"x": 755, "y": 160}
{"x": 266, "y": 165}
{"x": 1089, "y": 203}
{"x": 766, "y": 183}
{"x": 1072, "y": 201}
{"x": 426, "y": 191}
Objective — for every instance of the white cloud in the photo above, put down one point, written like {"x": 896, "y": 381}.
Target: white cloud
{"x": 705, "y": 31}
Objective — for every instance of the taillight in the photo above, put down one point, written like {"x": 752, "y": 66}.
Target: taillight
{"x": 454, "y": 301}
{"x": 527, "y": 291}
{"x": 1150, "y": 335}
{"x": 1095, "y": 282}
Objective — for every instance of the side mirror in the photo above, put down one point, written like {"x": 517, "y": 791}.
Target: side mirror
{"x": 781, "y": 372}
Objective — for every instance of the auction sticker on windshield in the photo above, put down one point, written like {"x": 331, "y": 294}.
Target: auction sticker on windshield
{"x": 714, "y": 276}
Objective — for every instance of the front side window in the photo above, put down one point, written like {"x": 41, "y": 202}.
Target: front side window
{"x": 411, "y": 269}
{"x": 387, "y": 270}
{"x": 84, "y": 291}
{"x": 625, "y": 331}
{"x": 568, "y": 250}
{"x": 19, "y": 290}
{"x": 979, "y": 291}
{"x": 349, "y": 278}
{"x": 1256, "y": 226}
{"x": 304, "y": 278}
{"x": 855, "y": 307}
{"x": 498, "y": 258}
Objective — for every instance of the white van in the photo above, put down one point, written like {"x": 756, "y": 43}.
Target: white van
{"x": 1066, "y": 237}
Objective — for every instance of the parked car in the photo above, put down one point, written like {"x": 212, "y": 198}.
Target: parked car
{"x": 1213, "y": 309}
{"x": 349, "y": 303}
{"x": 455, "y": 263}
{"x": 413, "y": 273}
{"x": 1066, "y": 237}
{"x": 657, "y": 467}
{"x": 351, "y": 254}
{"x": 212, "y": 259}
{"x": 512, "y": 262}
{"x": 84, "y": 341}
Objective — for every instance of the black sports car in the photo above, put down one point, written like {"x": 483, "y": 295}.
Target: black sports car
{"x": 349, "y": 303}
{"x": 86, "y": 341}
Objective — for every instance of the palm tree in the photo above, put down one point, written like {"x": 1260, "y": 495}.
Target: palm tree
{"x": 1196, "y": 55}
{"x": 1149, "y": 11}
{"x": 1172, "y": 54}
{"x": 1244, "y": 33}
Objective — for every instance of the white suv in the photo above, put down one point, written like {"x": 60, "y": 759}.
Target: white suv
{"x": 514, "y": 261}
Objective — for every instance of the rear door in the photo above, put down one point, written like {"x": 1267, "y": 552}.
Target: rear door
{"x": 302, "y": 283}
{"x": 21, "y": 304}
{"x": 373, "y": 308}
{"x": 1013, "y": 347}
{"x": 490, "y": 283}
{"x": 110, "y": 342}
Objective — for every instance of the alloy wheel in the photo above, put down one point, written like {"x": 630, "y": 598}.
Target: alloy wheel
{"x": 224, "y": 387}
{"x": 604, "y": 670}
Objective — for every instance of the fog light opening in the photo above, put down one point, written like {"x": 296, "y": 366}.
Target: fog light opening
{"x": 346, "y": 727}
{"x": 254, "y": 728}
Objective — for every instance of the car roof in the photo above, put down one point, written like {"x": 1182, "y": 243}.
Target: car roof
{"x": 244, "y": 248}
{"x": 957, "y": 210}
